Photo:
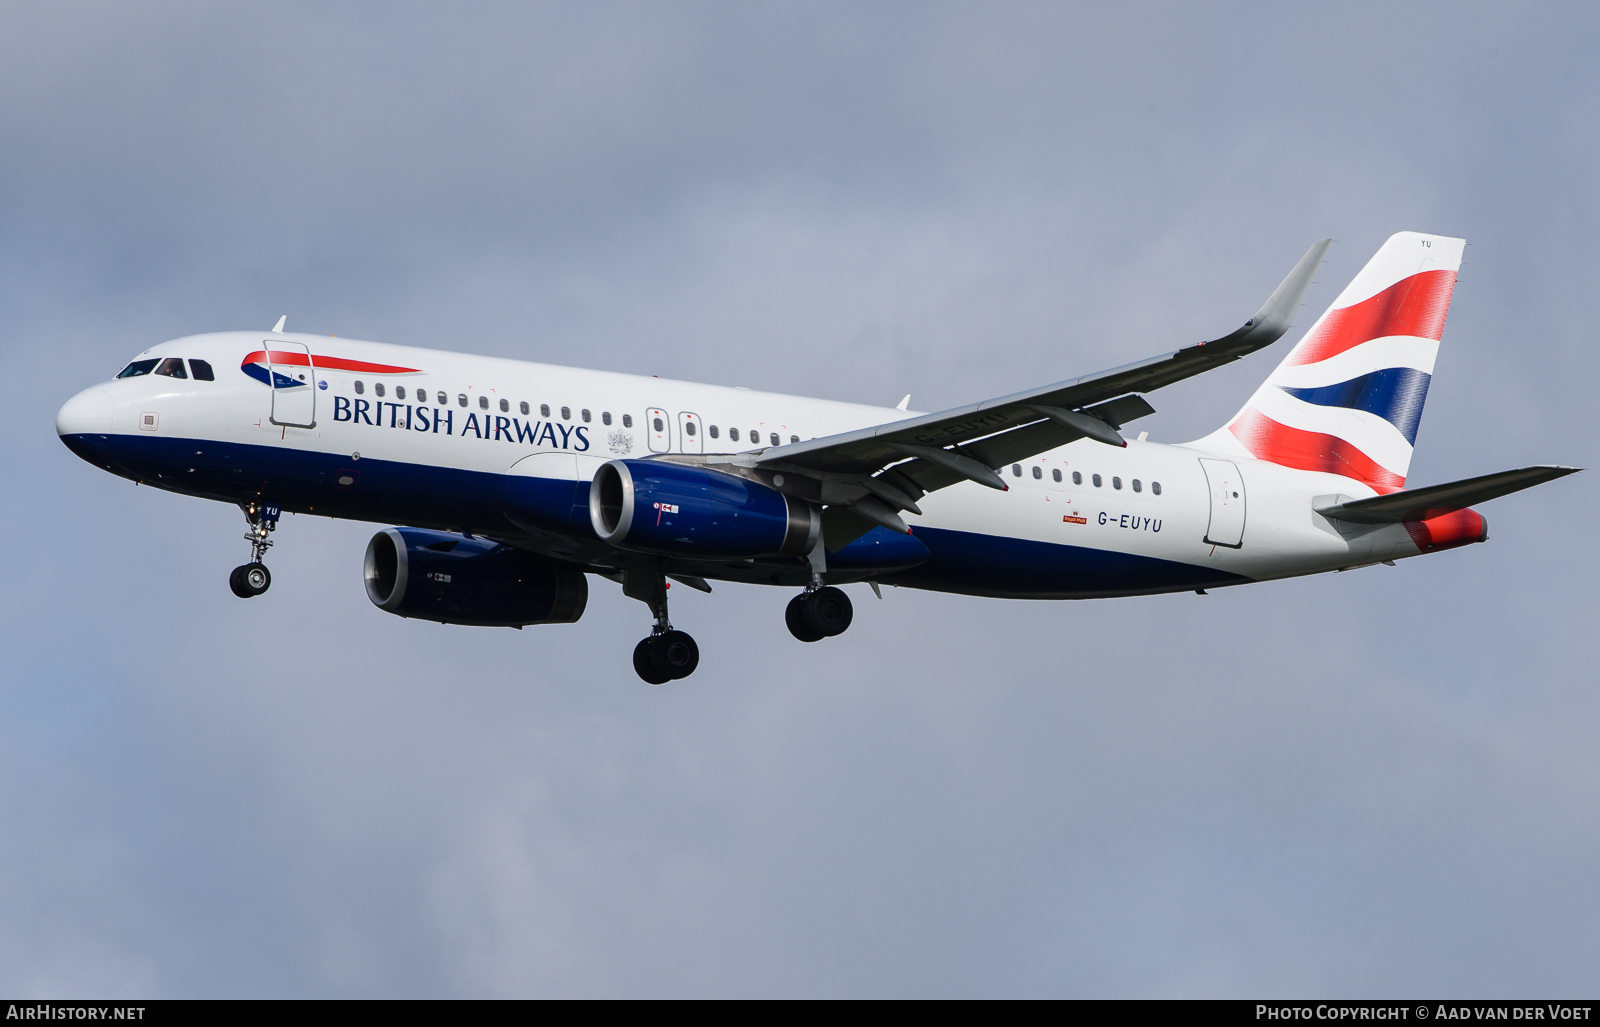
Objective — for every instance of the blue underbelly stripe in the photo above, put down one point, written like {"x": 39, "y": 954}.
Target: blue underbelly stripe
{"x": 449, "y": 499}
{"x": 995, "y": 565}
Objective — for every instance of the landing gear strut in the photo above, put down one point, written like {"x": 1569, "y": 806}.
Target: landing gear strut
{"x": 667, "y": 654}
{"x": 818, "y": 613}
{"x": 253, "y": 578}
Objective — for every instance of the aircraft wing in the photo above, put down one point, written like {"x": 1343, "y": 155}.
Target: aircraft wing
{"x": 884, "y": 469}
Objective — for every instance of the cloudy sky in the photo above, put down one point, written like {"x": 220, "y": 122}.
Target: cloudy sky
{"x": 1377, "y": 783}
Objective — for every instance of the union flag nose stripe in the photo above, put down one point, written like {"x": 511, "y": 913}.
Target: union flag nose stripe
{"x": 273, "y": 379}
{"x": 282, "y": 357}
{"x": 1395, "y": 394}
{"x": 1310, "y": 451}
{"x": 1412, "y": 306}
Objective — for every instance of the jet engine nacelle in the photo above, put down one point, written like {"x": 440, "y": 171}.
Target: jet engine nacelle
{"x": 432, "y": 575}
{"x": 659, "y": 507}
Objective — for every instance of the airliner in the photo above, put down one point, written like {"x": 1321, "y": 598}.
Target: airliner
{"x": 513, "y": 482}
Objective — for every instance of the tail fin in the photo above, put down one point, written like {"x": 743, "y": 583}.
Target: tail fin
{"x": 1348, "y": 397}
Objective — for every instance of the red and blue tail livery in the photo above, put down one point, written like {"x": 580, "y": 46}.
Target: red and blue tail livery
{"x": 1348, "y": 398}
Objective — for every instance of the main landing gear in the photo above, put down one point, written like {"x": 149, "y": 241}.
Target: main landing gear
{"x": 667, "y": 654}
{"x": 253, "y": 578}
{"x": 818, "y": 613}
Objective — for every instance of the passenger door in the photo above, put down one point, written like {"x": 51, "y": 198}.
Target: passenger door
{"x": 655, "y": 423}
{"x": 689, "y": 428}
{"x": 294, "y": 386}
{"x": 1227, "y": 503}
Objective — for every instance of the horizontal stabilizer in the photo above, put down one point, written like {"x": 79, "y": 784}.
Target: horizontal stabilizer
{"x": 1438, "y": 500}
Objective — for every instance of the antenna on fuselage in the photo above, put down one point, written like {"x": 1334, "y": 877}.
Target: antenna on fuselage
{"x": 279, "y": 326}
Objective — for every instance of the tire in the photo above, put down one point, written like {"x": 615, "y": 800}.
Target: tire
{"x": 644, "y": 666}
{"x": 250, "y": 580}
{"x": 795, "y": 617}
{"x": 674, "y": 654}
{"x": 828, "y": 610}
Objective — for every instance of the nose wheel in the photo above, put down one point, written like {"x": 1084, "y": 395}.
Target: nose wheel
{"x": 252, "y": 579}
{"x": 819, "y": 613}
{"x": 668, "y": 654}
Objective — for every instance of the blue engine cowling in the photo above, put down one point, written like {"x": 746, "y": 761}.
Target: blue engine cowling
{"x": 447, "y": 578}
{"x": 681, "y": 510}
{"x": 879, "y": 551}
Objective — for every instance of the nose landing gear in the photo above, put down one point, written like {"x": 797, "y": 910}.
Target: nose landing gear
{"x": 252, "y": 579}
{"x": 819, "y": 613}
{"x": 668, "y": 654}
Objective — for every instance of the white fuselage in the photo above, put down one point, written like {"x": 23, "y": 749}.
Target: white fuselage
{"x": 1143, "y": 528}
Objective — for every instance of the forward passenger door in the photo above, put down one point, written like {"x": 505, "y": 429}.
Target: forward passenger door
{"x": 294, "y": 386}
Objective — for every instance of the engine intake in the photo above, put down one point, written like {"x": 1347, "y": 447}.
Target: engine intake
{"x": 679, "y": 510}
{"x": 432, "y": 575}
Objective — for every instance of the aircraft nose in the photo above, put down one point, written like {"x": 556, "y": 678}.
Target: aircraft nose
{"x": 87, "y": 413}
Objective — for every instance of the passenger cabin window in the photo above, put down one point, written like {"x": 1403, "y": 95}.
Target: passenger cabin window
{"x": 172, "y": 367}
{"x": 360, "y": 388}
{"x": 483, "y": 402}
{"x": 566, "y": 413}
{"x": 378, "y": 388}
{"x": 443, "y": 399}
{"x": 544, "y": 409}
{"x": 1155, "y": 487}
{"x": 1096, "y": 480}
{"x": 399, "y": 392}
{"x": 202, "y": 371}
{"x": 605, "y": 418}
{"x": 688, "y": 428}
{"x": 733, "y": 434}
{"x": 1056, "y": 474}
{"x": 658, "y": 426}
{"x": 505, "y": 406}
{"x": 1038, "y": 472}
{"x": 775, "y": 438}
{"x": 793, "y": 439}
{"x": 585, "y": 415}
{"x": 1116, "y": 483}
{"x": 713, "y": 431}
{"x": 1137, "y": 487}
{"x": 627, "y": 420}
{"x": 138, "y": 367}
{"x": 461, "y": 398}
{"x": 524, "y": 408}
{"x": 1016, "y": 470}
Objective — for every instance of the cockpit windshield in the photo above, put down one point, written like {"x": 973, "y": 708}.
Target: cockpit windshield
{"x": 138, "y": 367}
{"x": 172, "y": 367}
